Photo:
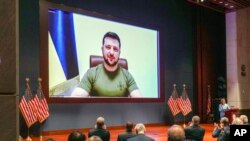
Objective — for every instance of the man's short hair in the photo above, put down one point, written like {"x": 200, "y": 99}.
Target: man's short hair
{"x": 100, "y": 122}
{"x": 129, "y": 126}
{"x": 76, "y": 136}
{"x": 140, "y": 128}
{"x": 196, "y": 120}
{"x": 176, "y": 133}
{"x": 113, "y": 36}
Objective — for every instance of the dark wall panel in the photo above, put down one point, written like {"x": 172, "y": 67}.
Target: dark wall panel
{"x": 8, "y": 47}
{"x": 9, "y": 118}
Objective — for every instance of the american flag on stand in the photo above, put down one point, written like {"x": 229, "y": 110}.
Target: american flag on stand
{"x": 184, "y": 102}
{"x": 27, "y": 106}
{"x": 172, "y": 102}
{"x": 208, "y": 100}
{"x": 41, "y": 104}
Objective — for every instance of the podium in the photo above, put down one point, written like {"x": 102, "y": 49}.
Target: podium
{"x": 231, "y": 114}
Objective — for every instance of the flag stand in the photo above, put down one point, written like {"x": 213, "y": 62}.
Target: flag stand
{"x": 28, "y": 137}
{"x": 184, "y": 124}
{"x": 40, "y": 130}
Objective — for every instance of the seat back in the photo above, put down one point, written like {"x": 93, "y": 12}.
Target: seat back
{"x": 95, "y": 60}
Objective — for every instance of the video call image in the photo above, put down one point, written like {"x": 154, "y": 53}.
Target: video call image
{"x": 84, "y": 51}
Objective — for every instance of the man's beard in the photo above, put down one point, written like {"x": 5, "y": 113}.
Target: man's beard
{"x": 107, "y": 62}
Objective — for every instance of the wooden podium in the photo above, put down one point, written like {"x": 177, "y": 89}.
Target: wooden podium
{"x": 231, "y": 114}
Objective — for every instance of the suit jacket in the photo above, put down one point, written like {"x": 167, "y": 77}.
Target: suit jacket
{"x": 222, "y": 134}
{"x": 102, "y": 133}
{"x": 140, "y": 137}
{"x": 126, "y": 135}
{"x": 195, "y": 133}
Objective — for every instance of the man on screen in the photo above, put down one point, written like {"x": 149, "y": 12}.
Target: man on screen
{"x": 108, "y": 79}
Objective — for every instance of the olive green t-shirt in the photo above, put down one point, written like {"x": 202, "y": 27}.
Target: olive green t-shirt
{"x": 99, "y": 82}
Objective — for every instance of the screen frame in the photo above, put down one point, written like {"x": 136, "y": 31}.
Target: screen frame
{"x": 44, "y": 70}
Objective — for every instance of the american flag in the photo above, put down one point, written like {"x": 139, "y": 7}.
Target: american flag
{"x": 41, "y": 104}
{"x": 172, "y": 102}
{"x": 27, "y": 107}
{"x": 184, "y": 102}
{"x": 208, "y": 100}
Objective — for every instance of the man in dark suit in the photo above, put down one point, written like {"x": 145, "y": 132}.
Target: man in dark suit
{"x": 128, "y": 133}
{"x": 140, "y": 131}
{"x": 194, "y": 132}
{"x": 100, "y": 130}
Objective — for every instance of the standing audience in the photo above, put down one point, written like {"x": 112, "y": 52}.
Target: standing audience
{"x": 222, "y": 132}
{"x": 176, "y": 133}
{"x": 128, "y": 133}
{"x": 100, "y": 130}
{"x": 194, "y": 132}
{"x": 140, "y": 134}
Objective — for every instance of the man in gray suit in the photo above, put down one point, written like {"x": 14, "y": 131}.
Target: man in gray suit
{"x": 140, "y": 131}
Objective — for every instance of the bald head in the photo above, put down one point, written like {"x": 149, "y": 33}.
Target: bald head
{"x": 176, "y": 133}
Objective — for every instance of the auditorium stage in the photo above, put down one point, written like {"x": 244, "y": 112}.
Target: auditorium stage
{"x": 158, "y": 132}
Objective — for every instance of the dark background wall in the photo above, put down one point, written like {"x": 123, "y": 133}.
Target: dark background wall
{"x": 177, "y": 20}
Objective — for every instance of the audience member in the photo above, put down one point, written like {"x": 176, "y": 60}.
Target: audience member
{"x": 94, "y": 138}
{"x": 244, "y": 118}
{"x": 128, "y": 133}
{"x": 222, "y": 132}
{"x": 176, "y": 133}
{"x": 50, "y": 139}
{"x": 76, "y": 136}
{"x": 237, "y": 121}
{"x": 100, "y": 130}
{"x": 140, "y": 134}
{"x": 194, "y": 132}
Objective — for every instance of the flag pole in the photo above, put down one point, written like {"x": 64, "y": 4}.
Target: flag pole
{"x": 28, "y": 87}
{"x": 40, "y": 124}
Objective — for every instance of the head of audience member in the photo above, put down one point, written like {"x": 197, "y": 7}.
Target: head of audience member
{"x": 195, "y": 120}
{"x": 100, "y": 123}
{"x": 224, "y": 122}
{"x": 50, "y": 139}
{"x": 140, "y": 128}
{"x": 237, "y": 121}
{"x": 76, "y": 136}
{"x": 129, "y": 126}
{"x": 244, "y": 118}
{"x": 176, "y": 133}
{"x": 94, "y": 138}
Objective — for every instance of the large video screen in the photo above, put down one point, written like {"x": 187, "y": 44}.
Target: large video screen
{"x": 97, "y": 58}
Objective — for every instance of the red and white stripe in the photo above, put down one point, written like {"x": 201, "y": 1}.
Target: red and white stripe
{"x": 173, "y": 106}
{"x": 26, "y": 109}
{"x": 184, "y": 105}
